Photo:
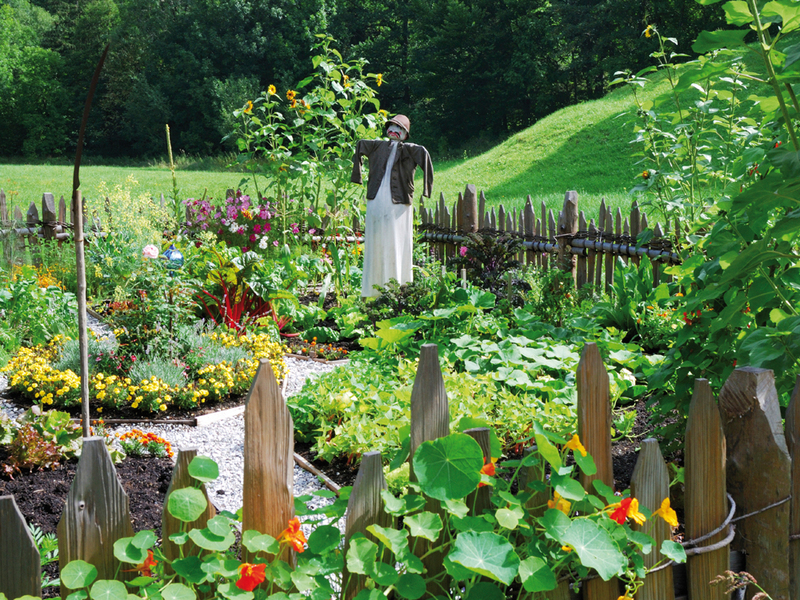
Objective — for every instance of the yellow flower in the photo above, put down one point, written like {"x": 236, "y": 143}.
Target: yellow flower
{"x": 290, "y": 94}
{"x": 667, "y": 513}
{"x": 379, "y": 79}
{"x": 271, "y": 90}
{"x": 559, "y": 503}
{"x": 248, "y": 108}
{"x": 649, "y": 31}
{"x": 346, "y": 81}
{"x": 624, "y": 598}
{"x": 575, "y": 445}
{"x": 163, "y": 407}
{"x": 99, "y": 409}
{"x": 566, "y": 548}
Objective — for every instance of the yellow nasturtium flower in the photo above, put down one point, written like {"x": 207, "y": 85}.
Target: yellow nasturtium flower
{"x": 667, "y": 513}
{"x": 559, "y": 503}
{"x": 575, "y": 445}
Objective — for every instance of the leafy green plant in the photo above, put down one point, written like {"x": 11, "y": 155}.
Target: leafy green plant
{"x": 47, "y": 545}
{"x": 170, "y": 371}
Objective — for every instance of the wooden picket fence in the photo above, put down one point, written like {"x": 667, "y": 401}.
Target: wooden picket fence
{"x": 736, "y": 446}
{"x": 565, "y": 241}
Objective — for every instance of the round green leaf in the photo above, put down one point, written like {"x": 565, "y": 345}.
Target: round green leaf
{"x": 507, "y": 518}
{"x": 187, "y": 504}
{"x": 178, "y": 591}
{"x": 78, "y": 574}
{"x": 260, "y": 542}
{"x": 483, "y": 590}
{"x": 190, "y": 569}
{"x": 144, "y": 539}
{"x": 79, "y": 595}
{"x": 673, "y": 551}
{"x": 219, "y": 525}
{"x": 126, "y": 552}
{"x": 179, "y": 538}
{"x": 323, "y": 539}
{"x": 107, "y": 589}
{"x": 488, "y": 554}
{"x": 231, "y": 592}
{"x": 410, "y": 586}
{"x": 383, "y": 574}
{"x": 595, "y": 548}
{"x": 395, "y": 540}
{"x": 203, "y": 469}
{"x": 425, "y": 524}
{"x": 361, "y": 555}
{"x": 448, "y": 468}
{"x": 209, "y": 541}
{"x": 536, "y": 576}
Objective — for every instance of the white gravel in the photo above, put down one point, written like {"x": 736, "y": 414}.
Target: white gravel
{"x": 223, "y": 441}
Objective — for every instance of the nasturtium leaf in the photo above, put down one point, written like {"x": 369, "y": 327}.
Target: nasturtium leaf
{"x": 715, "y": 40}
{"x": 324, "y": 538}
{"x": 203, "y": 469}
{"x": 231, "y": 592}
{"x": 488, "y": 554}
{"x": 401, "y": 506}
{"x": 79, "y": 595}
{"x": 361, "y": 555}
{"x": 425, "y": 524}
{"x": 644, "y": 541}
{"x": 448, "y": 468}
{"x": 190, "y": 568}
{"x": 179, "y": 538}
{"x": 555, "y": 524}
{"x": 673, "y": 551}
{"x": 394, "y": 539}
{"x": 548, "y": 451}
{"x": 78, "y": 574}
{"x": 367, "y": 594}
{"x": 178, "y": 591}
{"x": 456, "y": 571}
{"x": 595, "y": 548}
{"x": 585, "y": 463}
{"x": 483, "y": 590}
{"x": 140, "y": 581}
{"x": 457, "y": 508}
{"x": 303, "y": 581}
{"x": 471, "y": 524}
{"x": 536, "y": 576}
{"x": 567, "y": 487}
{"x": 410, "y": 586}
{"x": 108, "y": 589}
{"x": 207, "y": 540}
{"x": 256, "y": 541}
{"x": 219, "y": 525}
{"x": 604, "y": 490}
{"x": 187, "y": 504}
{"x": 507, "y": 518}
{"x": 144, "y": 539}
{"x": 125, "y": 551}
{"x": 413, "y": 563}
{"x": 383, "y": 574}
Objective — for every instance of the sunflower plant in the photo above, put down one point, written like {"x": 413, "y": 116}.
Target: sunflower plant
{"x": 542, "y": 535}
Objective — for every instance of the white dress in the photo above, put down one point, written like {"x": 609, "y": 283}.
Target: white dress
{"x": 388, "y": 237}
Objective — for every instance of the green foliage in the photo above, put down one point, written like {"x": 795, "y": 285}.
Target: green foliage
{"x": 171, "y": 372}
{"x": 491, "y": 262}
{"x": 47, "y": 545}
{"x": 41, "y": 442}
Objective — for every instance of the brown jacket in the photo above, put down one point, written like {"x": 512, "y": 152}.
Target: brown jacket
{"x": 406, "y": 160}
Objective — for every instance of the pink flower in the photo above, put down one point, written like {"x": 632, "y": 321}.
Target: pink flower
{"x": 150, "y": 251}
{"x": 275, "y": 243}
{"x": 463, "y": 251}
{"x": 241, "y": 231}
{"x": 256, "y": 229}
{"x": 266, "y": 227}
{"x": 246, "y": 249}
{"x": 253, "y": 237}
{"x": 312, "y": 231}
{"x": 295, "y": 228}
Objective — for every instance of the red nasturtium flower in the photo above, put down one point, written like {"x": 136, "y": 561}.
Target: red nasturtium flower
{"x": 628, "y": 508}
{"x": 145, "y": 568}
{"x": 292, "y": 535}
{"x": 250, "y": 576}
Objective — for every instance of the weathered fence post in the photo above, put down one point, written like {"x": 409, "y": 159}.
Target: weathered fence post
{"x": 567, "y": 227}
{"x": 364, "y": 508}
{"x": 32, "y": 223}
{"x": 49, "y": 216}
{"x": 169, "y": 524}
{"x": 706, "y": 503}
{"x": 650, "y": 485}
{"x": 594, "y": 427}
{"x": 759, "y": 470}
{"x": 96, "y": 514}
{"x": 793, "y": 443}
{"x": 430, "y": 419}
{"x": 469, "y": 220}
{"x": 20, "y": 564}
{"x": 480, "y": 499}
{"x": 268, "y": 498}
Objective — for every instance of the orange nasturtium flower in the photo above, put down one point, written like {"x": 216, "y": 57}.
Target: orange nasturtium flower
{"x": 487, "y": 469}
{"x": 250, "y": 576}
{"x": 271, "y": 90}
{"x": 292, "y": 535}
{"x": 628, "y": 508}
{"x": 667, "y": 513}
{"x": 559, "y": 503}
{"x": 144, "y": 569}
{"x": 575, "y": 445}
{"x": 248, "y": 108}
{"x": 379, "y": 79}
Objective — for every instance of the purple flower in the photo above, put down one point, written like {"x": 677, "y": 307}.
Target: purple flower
{"x": 312, "y": 231}
{"x": 295, "y": 228}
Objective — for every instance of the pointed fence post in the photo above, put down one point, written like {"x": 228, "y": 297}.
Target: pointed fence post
{"x": 169, "y": 524}
{"x": 96, "y": 514}
{"x": 480, "y": 499}
{"x": 20, "y": 564}
{"x": 594, "y": 427}
{"x": 650, "y": 485}
{"x": 430, "y": 419}
{"x": 759, "y": 474}
{"x": 268, "y": 494}
{"x": 567, "y": 227}
{"x": 793, "y": 443}
{"x": 706, "y": 502}
{"x": 364, "y": 508}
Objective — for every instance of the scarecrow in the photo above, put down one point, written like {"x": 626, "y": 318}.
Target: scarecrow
{"x": 389, "y": 228}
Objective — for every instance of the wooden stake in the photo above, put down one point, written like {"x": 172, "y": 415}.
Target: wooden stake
{"x": 20, "y": 563}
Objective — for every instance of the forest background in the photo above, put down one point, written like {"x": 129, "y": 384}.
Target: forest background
{"x": 468, "y": 72}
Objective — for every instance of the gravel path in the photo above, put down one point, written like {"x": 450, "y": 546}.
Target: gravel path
{"x": 223, "y": 440}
